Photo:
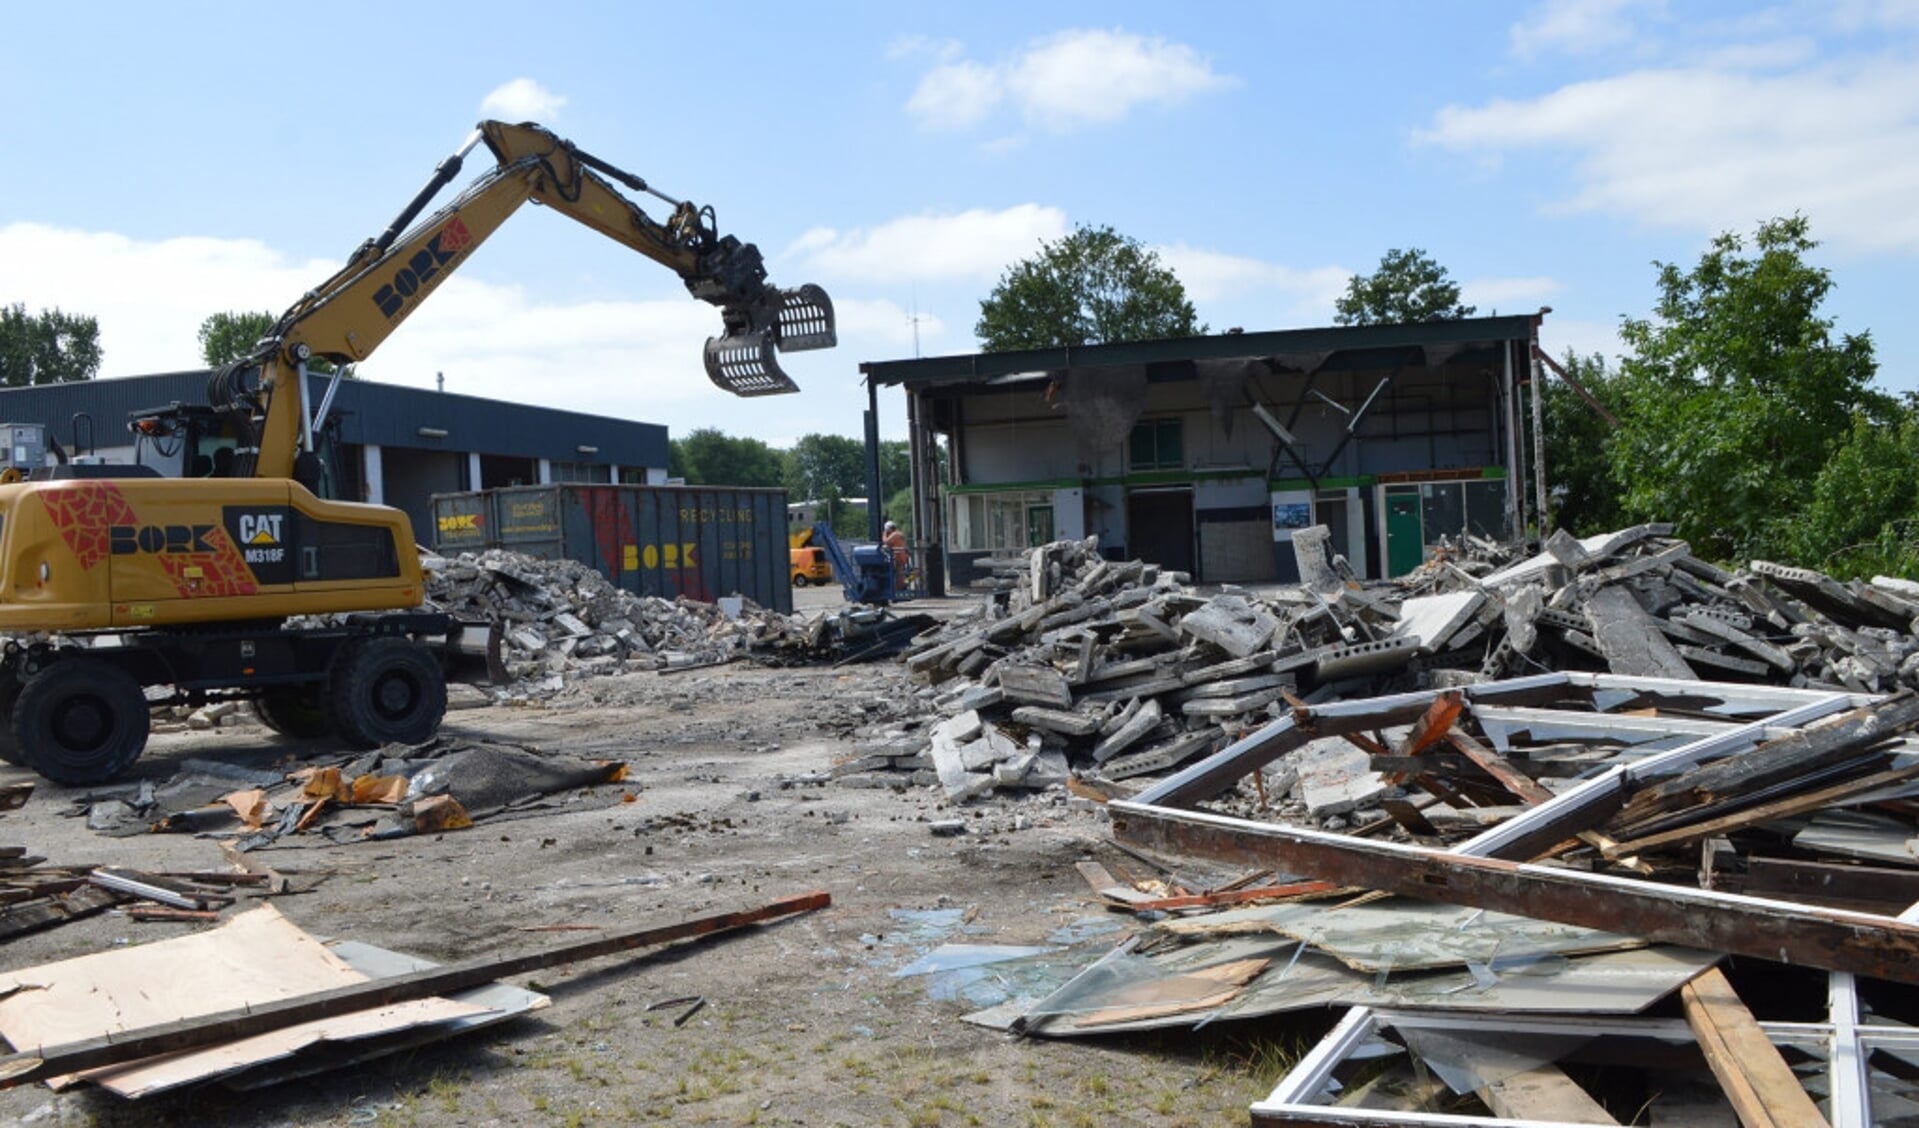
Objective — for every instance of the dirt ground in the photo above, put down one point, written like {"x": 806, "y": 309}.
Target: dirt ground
{"x": 804, "y": 1021}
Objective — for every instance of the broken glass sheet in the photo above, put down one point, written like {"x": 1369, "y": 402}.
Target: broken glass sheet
{"x": 1469, "y": 1059}
{"x": 951, "y": 957}
{"x": 1124, "y": 991}
{"x": 1402, "y": 935}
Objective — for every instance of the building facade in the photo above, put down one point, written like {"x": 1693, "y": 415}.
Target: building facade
{"x": 1204, "y": 454}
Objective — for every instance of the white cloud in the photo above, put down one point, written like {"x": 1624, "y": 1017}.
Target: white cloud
{"x": 1715, "y": 151}
{"x": 971, "y": 245}
{"x": 522, "y": 99}
{"x": 1286, "y": 292}
{"x": 1065, "y": 81}
{"x": 1574, "y": 27}
{"x": 956, "y": 95}
{"x": 148, "y": 297}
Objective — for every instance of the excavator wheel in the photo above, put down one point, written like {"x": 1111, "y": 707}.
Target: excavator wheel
{"x": 386, "y": 691}
{"x": 9, "y": 748}
{"x": 296, "y": 711}
{"x": 81, "y": 721}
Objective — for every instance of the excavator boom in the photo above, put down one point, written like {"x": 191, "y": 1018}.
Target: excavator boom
{"x": 348, "y": 316}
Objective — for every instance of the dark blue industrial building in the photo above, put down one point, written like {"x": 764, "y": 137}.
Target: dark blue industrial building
{"x": 393, "y": 445}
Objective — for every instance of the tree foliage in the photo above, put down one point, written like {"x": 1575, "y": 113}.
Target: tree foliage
{"x": 1408, "y": 286}
{"x": 707, "y": 456}
{"x": 820, "y": 466}
{"x": 49, "y": 347}
{"x": 1861, "y": 515}
{"x": 1736, "y": 394}
{"x": 226, "y": 337}
{"x": 1092, "y": 287}
{"x": 1585, "y": 494}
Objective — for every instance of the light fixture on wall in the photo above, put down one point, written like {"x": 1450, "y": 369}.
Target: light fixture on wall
{"x": 432, "y": 432}
{"x": 585, "y": 449}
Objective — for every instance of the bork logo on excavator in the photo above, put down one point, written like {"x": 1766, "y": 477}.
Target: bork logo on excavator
{"x": 125, "y": 540}
{"x": 423, "y": 267}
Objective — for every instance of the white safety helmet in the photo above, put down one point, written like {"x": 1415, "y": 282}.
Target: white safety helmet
{"x": 890, "y": 526}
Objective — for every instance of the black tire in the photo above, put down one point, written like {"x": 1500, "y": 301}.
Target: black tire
{"x": 297, "y": 711}
{"x": 386, "y": 691}
{"x": 81, "y": 721}
{"x": 9, "y": 747}
{"x": 799, "y": 580}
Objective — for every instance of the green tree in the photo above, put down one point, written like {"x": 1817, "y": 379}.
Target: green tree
{"x": 1092, "y": 287}
{"x": 819, "y": 466}
{"x": 707, "y": 456}
{"x": 226, "y": 337}
{"x": 49, "y": 347}
{"x": 1861, "y": 515}
{"x": 1408, "y": 286}
{"x": 1735, "y": 393}
{"x": 1585, "y": 493}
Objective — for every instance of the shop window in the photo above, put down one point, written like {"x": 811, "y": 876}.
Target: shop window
{"x": 1001, "y": 522}
{"x": 1157, "y": 444}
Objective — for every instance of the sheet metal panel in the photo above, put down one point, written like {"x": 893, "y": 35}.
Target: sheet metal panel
{"x": 667, "y": 541}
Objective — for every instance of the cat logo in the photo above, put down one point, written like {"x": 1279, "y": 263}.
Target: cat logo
{"x": 260, "y": 538}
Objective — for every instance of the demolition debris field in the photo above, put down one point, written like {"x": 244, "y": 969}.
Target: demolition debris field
{"x": 803, "y": 1022}
{"x": 1148, "y": 824}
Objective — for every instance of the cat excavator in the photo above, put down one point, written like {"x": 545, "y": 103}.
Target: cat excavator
{"x": 121, "y": 589}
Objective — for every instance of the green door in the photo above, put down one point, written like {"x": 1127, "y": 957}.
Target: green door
{"x": 1405, "y": 535}
{"x": 1039, "y": 525}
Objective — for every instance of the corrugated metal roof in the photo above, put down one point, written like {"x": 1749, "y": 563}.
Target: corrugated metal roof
{"x": 1297, "y": 347}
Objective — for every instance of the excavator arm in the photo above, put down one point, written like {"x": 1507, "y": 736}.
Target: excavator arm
{"x": 350, "y": 314}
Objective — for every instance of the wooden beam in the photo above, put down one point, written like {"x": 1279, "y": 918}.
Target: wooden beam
{"x": 1833, "y": 939}
{"x": 228, "y": 1026}
{"x": 1757, "y": 1081}
{"x": 1544, "y": 1092}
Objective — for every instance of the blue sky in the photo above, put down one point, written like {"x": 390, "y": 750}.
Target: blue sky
{"x": 168, "y": 161}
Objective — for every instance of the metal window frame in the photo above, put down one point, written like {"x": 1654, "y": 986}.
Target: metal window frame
{"x": 1482, "y": 869}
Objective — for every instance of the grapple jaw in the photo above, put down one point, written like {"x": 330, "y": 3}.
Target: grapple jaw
{"x": 744, "y": 362}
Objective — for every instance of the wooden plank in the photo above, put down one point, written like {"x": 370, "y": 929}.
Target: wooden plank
{"x": 1766, "y": 812}
{"x": 1289, "y": 891}
{"x": 1106, "y": 885}
{"x": 1757, "y": 1081}
{"x": 1495, "y": 765}
{"x": 232, "y": 1025}
{"x": 1544, "y": 1092}
{"x": 1776, "y": 761}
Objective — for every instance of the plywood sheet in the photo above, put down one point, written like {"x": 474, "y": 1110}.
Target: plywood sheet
{"x": 256, "y": 956}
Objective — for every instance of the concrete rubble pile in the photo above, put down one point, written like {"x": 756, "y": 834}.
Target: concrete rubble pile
{"x": 1116, "y": 670}
{"x": 1638, "y": 602}
{"x": 563, "y": 621}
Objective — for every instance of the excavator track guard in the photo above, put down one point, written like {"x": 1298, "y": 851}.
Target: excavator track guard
{"x": 744, "y": 362}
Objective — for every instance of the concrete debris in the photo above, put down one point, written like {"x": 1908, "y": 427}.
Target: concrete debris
{"x": 562, "y": 621}
{"x": 1122, "y": 669}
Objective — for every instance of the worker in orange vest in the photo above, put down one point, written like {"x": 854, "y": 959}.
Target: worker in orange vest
{"x": 895, "y": 542}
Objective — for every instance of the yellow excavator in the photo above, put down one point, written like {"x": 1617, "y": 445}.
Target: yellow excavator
{"x": 123, "y": 589}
